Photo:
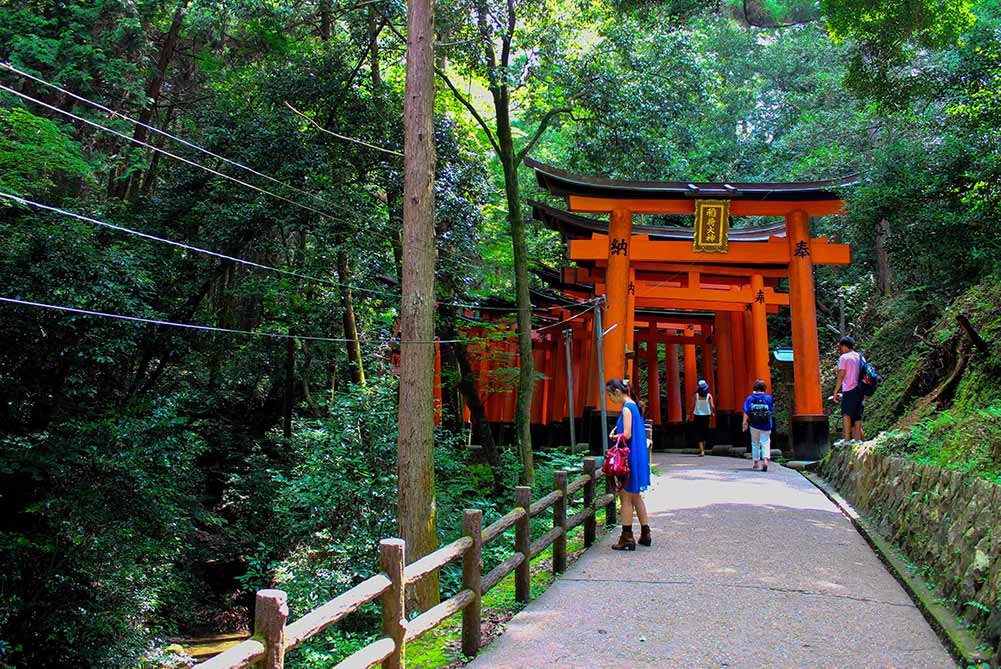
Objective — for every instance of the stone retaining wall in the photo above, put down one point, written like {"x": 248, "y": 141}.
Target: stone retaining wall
{"x": 944, "y": 520}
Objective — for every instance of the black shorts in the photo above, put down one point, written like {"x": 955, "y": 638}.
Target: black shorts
{"x": 853, "y": 404}
{"x": 701, "y": 428}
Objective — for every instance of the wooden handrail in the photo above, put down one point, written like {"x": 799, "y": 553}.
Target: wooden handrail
{"x": 498, "y": 573}
{"x": 502, "y": 524}
{"x": 369, "y": 656}
{"x": 432, "y": 562}
{"x": 542, "y": 543}
{"x": 544, "y": 503}
{"x": 431, "y": 618}
{"x": 273, "y": 637}
{"x": 577, "y": 484}
{"x": 337, "y": 608}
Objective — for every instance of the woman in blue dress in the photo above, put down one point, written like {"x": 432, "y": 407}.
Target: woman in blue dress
{"x": 631, "y": 427}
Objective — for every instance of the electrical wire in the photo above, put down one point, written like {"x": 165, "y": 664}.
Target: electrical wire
{"x": 273, "y": 335}
{"x": 168, "y": 153}
{"x": 185, "y": 246}
{"x": 7, "y": 66}
{"x": 163, "y": 133}
{"x": 214, "y": 254}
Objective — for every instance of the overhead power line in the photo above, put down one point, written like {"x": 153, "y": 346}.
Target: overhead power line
{"x": 166, "y": 153}
{"x": 163, "y": 133}
{"x": 188, "y": 247}
{"x": 272, "y": 335}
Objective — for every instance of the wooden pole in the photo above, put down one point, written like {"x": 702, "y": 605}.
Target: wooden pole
{"x": 617, "y": 292}
{"x": 653, "y": 380}
{"x": 522, "y": 544}
{"x": 707, "y": 374}
{"x": 673, "y": 385}
{"x": 392, "y": 556}
{"x": 803, "y": 304}
{"x": 560, "y": 520}
{"x": 632, "y": 364}
{"x": 270, "y": 614}
{"x": 724, "y": 363}
{"x": 739, "y": 359}
{"x": 759, "y": 324}
{"x": 472, "y": 576}
{"x": 691, "y": 380}
{"x": 590, "y": 526}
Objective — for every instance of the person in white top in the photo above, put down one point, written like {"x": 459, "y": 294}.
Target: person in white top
{"x": 701, "y": 414}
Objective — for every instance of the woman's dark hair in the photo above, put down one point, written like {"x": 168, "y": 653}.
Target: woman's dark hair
{"x": 847, "y": 341}
{"x": 759, "y": 386}
{"x": 623, "y": 386}
{"x": 703, "y": 389}
{"x": 617, "y": 384}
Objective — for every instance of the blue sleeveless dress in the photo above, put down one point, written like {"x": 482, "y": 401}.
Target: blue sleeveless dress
{"x": 639, "y": 458}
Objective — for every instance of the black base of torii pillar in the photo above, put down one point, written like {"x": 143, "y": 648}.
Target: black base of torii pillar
{"x": 811, "y": 437}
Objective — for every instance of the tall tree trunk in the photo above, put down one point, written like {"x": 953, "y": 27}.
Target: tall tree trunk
{"x": 884, "y": 273}
{"x": 374, "y": 28}
{"x": 350, "y": 327}
{"x": 324, "y": 20}
{"x": 289, "y": 386}
{"x": 516, "y": 218}
{"x": 153, "y": 89}
{"x": 415, "y": 463}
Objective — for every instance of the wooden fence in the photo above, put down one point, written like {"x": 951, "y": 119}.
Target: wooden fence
{"x": 273, "y": 637}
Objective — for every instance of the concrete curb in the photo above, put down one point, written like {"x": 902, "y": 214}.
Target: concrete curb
{"x": 957, "y": 640}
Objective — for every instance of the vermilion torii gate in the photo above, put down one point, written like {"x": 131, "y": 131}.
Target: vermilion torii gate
{"x": 652, "y": 267}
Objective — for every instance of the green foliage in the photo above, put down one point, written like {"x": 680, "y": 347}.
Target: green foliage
{"x": 33, "y": 151}
{"x": 887, "y": 35}
{"x": 106, "y": 510}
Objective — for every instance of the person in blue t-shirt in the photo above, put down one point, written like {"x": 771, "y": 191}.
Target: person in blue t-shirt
{"x": 758, "y": 411}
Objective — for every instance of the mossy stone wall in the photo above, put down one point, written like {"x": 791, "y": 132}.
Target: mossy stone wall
{"x": 945, "y": 522}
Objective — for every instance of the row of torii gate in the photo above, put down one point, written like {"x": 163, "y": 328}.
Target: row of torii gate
{"x": 692, "y": 301}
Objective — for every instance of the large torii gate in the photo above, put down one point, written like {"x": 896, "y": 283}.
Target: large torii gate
{"x": 657, "y": 267}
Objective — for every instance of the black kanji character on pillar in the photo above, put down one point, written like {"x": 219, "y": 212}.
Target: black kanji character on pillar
{"x": 760, "y": 297}
{"x": 802, "y": 249}
{"x": 618, "y": 247}
{"x": 632, "y": 288}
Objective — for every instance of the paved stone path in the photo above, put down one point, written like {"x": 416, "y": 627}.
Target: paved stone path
{"x": 747, "y": 569}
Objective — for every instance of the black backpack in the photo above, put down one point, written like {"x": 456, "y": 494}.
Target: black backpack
{"x": 759, "y": 411}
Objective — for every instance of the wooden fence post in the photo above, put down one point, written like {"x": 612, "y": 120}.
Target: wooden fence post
{"x": 610, "y": 484}
{"x": 560, "y": 520}
{"x": 590, "y": 468}
{"x": 394, "y": 618}
{"x": 270, "y": 614}
{"x": 523, "y": 545}
{"x": 472, "y": 573}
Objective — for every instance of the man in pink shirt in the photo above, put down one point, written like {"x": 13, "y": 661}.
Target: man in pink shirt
{"x": 847, "y": 390}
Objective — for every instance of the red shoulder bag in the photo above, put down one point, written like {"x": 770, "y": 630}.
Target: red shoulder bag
{"x": 617, "y": 458}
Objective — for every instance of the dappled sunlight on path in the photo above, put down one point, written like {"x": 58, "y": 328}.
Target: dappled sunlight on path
{"x": 748, "y": 569}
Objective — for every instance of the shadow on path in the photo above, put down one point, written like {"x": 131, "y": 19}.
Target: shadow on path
{"x": 748, "y": 569}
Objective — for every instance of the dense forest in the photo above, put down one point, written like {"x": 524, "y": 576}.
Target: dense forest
{"x": 153, "y": 476}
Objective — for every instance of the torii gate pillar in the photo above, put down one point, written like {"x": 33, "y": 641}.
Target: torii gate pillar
{"x": 620, "y": 229}
{"x": 810, "y": 432}
{"x": 675, "y": 427}
{"x": 724, "y": 373}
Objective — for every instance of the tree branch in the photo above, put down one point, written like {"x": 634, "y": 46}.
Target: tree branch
{"x": 520, "y": 156}
{"x": 472, "y": 110}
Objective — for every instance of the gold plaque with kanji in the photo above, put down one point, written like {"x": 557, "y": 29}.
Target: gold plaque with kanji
{"x": 712, "y": 226}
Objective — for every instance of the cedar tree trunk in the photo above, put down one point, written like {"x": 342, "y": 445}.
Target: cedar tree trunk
{"x": 415, "y": 464}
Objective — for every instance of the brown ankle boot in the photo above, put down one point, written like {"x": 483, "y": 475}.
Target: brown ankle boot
{"x": 645, "y": 539}
{"x": 625, "y": 542}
